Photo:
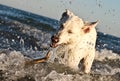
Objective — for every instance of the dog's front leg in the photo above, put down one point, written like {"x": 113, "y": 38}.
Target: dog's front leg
{"x": 87, "y": 63}
{"x": 73, "y": 61}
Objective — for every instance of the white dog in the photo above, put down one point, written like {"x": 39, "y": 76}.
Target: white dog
{"x": 80, "y": 39}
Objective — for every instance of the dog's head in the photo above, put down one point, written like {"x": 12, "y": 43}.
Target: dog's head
{"x": 72, "y": 28}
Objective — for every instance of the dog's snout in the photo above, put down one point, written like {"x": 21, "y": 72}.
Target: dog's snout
{"x": 54, "y": 39}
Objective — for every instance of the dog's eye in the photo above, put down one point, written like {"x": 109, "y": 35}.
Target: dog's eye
{"x": 70, "y": 31}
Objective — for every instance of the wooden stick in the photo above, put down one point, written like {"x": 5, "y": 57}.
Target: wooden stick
{"x": 35, "y": 61}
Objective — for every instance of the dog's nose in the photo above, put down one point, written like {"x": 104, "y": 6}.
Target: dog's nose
{"x": 54, "y": 39}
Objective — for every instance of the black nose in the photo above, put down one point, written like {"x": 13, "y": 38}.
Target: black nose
{"x": 54, "y": 39}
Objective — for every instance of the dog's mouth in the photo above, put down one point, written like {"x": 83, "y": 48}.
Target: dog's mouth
{"x": 55, "y": 41}
{"x": 54, "y": 45}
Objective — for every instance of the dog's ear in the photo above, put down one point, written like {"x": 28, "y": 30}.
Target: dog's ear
{"x": 66, "y": 15}
{"x": 87, "y": 26}
{"x": 69, "y": 13}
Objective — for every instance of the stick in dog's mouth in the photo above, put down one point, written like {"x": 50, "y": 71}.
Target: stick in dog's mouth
{"x": 41, "y": 60}
{"x": 53, "y": 45}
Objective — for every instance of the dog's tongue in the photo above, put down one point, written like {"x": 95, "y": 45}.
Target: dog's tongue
{"x": 53, "y": 45}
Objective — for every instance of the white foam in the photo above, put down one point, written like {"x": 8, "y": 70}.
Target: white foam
{"x": 103, "y": 54}
{"x": 13, "y": 64}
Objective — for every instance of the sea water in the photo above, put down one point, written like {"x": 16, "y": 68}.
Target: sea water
{"x": 25, "y": 36}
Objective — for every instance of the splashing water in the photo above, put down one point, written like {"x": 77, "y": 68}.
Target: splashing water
{"x": 13, "y": 67}
{"x": 24, "y": 38}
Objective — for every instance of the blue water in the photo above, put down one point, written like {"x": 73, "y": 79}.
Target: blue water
{"x": 15, "y": 35}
